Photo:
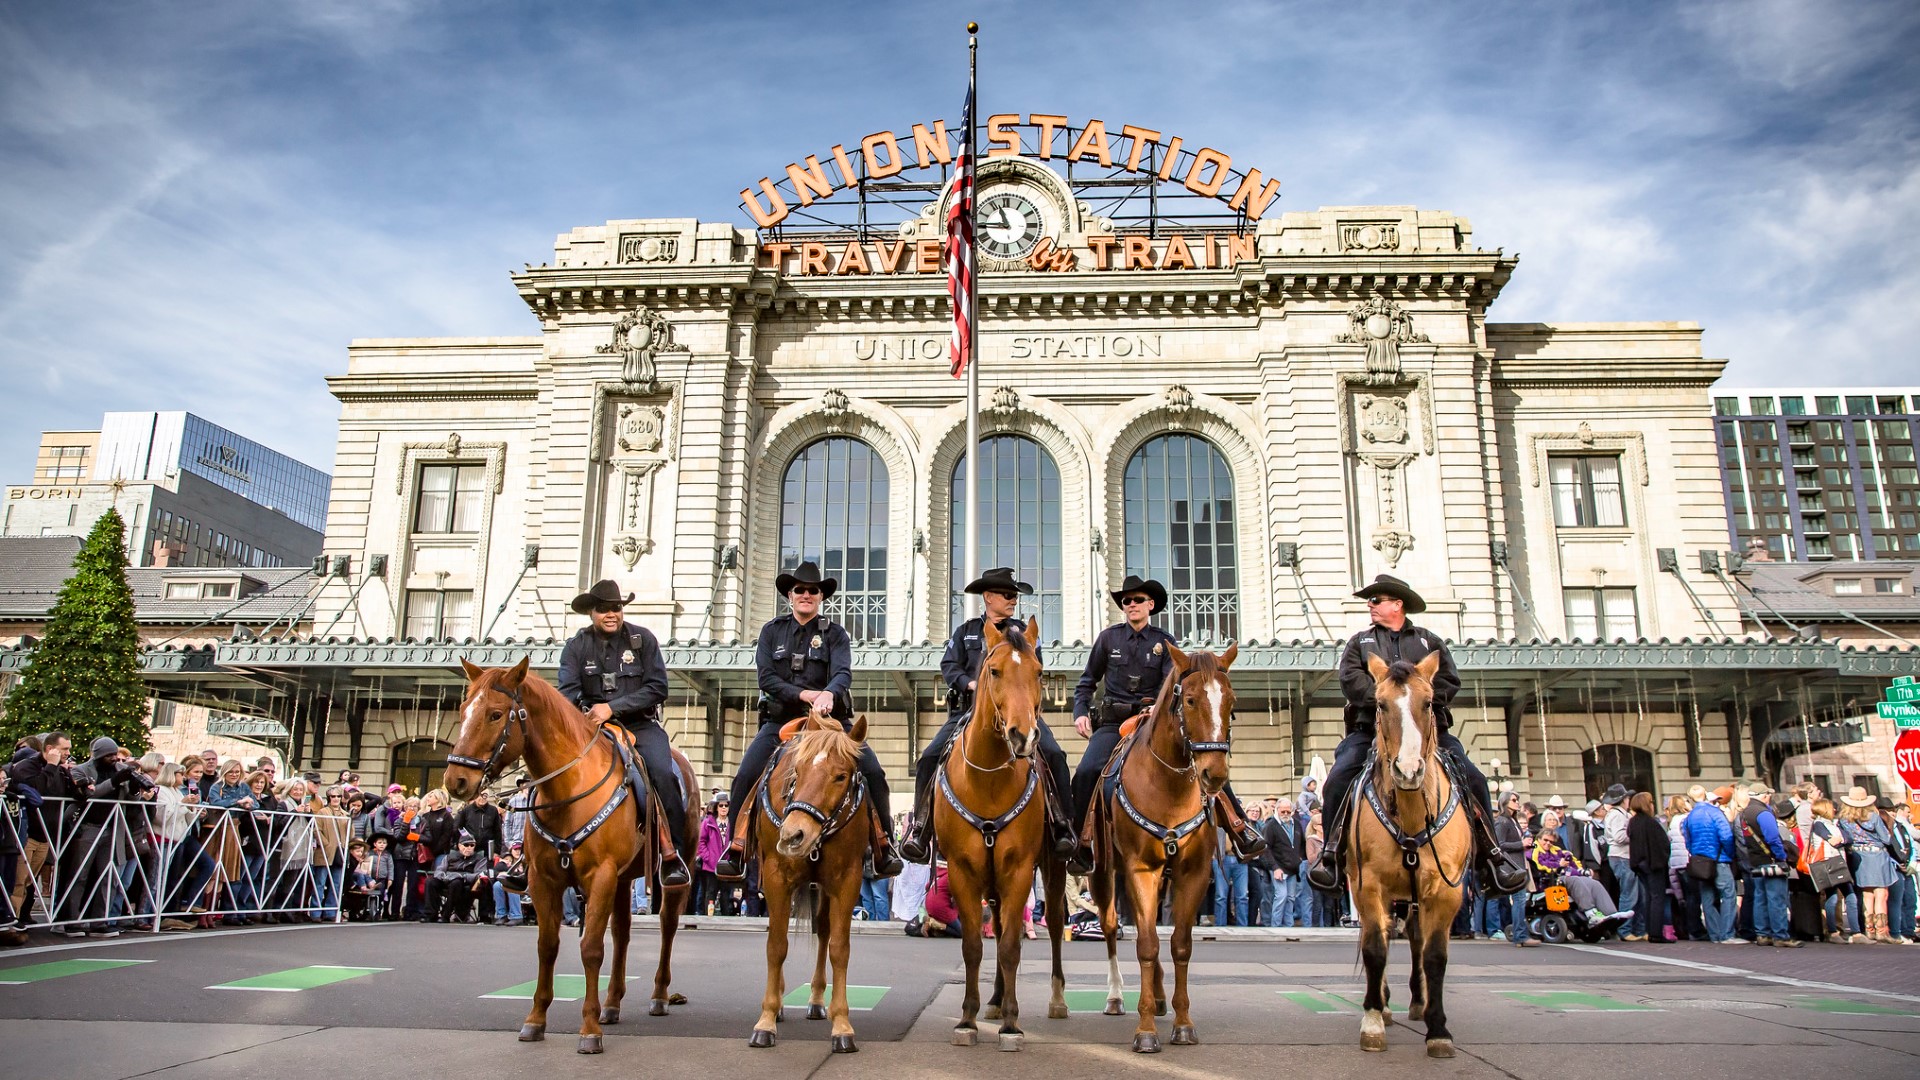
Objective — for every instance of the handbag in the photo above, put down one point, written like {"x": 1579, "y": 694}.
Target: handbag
{"x": 1830, "y": 873}
{"x": 1702, "y": 868}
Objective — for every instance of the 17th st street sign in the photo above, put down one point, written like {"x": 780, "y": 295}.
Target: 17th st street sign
{"x": 1902, "y": 704}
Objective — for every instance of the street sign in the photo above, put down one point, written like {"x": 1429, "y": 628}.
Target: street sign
{"x": 1906, "y": 757}
{"x": 1902, "y": 714}
{"x": 1903, "y": 693}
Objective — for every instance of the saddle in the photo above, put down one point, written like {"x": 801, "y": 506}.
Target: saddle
{"x": 635, "y": 786}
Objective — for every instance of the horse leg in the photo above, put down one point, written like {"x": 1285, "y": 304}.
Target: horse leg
{"x": 1144, "y": 888}
{"x": 824, "y": 911}
{"x": 1056, "y": 891}
{"x": 1373, "y": 952}
{"x": 1006, "y": 954}
{"x": 1188, "y": 888}
{"x": 966, "y": 897}
{"x": 546, "y": 904}
{"x": 669, "y": 903}
{"x": 593, "y": 950}
{"x": 1433, "y": 957}
{"x": 839, "y": 941}
{"x": 1416, "y": 982}
{"x": 620, "y": 921}
{"x": 779, "y": 897}
{"x": 992, "y": 1011}
{"x": 1102, "y": 885}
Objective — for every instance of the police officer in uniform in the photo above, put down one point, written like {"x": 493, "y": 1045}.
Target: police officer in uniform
{"x": 960, "y": 670}
{"x": 613, "y": 670}
{"x": 1130, "y": 660}
{"x": 1392, "y": 638}
{"x": 805, "y": 665}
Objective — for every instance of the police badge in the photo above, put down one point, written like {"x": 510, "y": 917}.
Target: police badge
{"x": 627, "y": 657}
{"x": 1156, "y": 648}
{"x": 816, "y": 641}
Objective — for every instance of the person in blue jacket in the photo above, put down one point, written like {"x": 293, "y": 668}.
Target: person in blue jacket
{"x": 1710, "y": 835}
{"x": 1769, "y": 859}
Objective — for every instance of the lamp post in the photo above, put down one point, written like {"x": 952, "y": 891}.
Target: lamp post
{"x": 1494, "y": 776}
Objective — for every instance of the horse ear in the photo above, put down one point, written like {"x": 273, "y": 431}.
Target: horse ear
{"x": 1033, "y": 632}
{"x": 1377, "y": 667}
{"x": 1429, "y": 667}
{"x": 858, "y": 732}
{"x": 1180, "y": 662}
{"x": 473, "y": 671}
{"x": 990, "y": 636}
{"x": 1227, "y": 658}
{"x": 515, "y": 676}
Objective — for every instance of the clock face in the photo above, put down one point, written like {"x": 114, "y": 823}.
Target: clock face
{"x": 1009, "y": 224}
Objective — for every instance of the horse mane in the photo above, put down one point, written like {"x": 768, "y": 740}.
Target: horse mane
{"x": 1402, "y": 672}
{"x": 1202, "y": 662}
{"x": 832, "y": 741}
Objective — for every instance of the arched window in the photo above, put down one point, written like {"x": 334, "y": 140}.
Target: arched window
{"x": 418, "y": 764}
{"x": 1618, "y": 763}
{"x": 1019, "y": 493}
{"x": 833, "y": 512}
{"x": 1181, "y": 531}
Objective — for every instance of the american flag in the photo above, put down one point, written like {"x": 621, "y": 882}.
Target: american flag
{"x": 959, "y": 250}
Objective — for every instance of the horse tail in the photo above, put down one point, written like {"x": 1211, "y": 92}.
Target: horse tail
{"x": 806, "y": 904}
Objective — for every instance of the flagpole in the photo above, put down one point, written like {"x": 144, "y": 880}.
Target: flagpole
{"x": 973, "y": 345}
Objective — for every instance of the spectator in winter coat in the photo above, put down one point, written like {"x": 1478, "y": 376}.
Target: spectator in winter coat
{"x": 482, "y": 819}
{"x": 1710, "y": 836}
{"x": 1768, "y": 863}
{"x": 1647, "y": 851}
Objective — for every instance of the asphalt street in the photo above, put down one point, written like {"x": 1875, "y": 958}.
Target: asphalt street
{"x": 446, "y": 1000}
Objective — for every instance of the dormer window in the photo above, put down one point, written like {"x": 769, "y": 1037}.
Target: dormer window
{"x": 1887, "y": 586}
{"x": 1846, "y": 586}
{"x": 199, "y": 590}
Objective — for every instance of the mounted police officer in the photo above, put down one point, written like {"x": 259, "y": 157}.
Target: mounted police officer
{"x": 805, "y": 664}
{"x": 1128, "y": 662}
{"x": 960, "y": 670}
{"x": 613, "y": 670}
{"x": 1393, "y": 639}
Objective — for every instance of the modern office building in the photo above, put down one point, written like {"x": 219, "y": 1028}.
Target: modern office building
{"x": 192, "y": 492}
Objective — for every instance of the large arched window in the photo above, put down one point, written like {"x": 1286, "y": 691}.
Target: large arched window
{"x": 418, "y": 764}
{"x": 1019, "y": 493}
{"x": 833, "y": 512}
{"x": 1618, "y": 763}
{"x": 1181, "y": 531}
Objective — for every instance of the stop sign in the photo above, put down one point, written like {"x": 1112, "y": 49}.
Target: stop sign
{"x": 1906, "y": 758}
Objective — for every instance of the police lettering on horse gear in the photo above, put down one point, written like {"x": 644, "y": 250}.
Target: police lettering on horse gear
{"x": 1393, "y": 639}
{"x": 624, "y": 670}
{"x": 960, "y": 669}
{"x": 797, "y": 659}
{"x": 1127, "y": 664}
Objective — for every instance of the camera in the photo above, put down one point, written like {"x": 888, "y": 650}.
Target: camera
{"x": 609, "y": 682}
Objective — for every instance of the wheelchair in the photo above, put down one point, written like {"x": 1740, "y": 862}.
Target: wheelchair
{"x": 1554, "y": 918}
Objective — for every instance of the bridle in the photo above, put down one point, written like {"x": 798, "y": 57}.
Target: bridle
{"x": 831, "y": 822}
{"x": 1191, "y": 749}
{"x": 516, "y": 714}
{"x": 999, "y": 722}
{"x": 1371, "y": 787}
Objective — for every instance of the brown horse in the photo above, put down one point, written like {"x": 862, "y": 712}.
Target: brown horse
{"x": 1411, "y": 842}
{"x": 1157, "y": 826}
{"x": 509, "y": 716}
{"x": 810, "y": 826}
{"x": 990, "y": 822}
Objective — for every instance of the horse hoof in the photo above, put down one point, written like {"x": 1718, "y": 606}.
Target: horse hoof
{"x": 1183, "y": 1035}
{"x": 991, "y": 1012}
{"x": 1012, "y": 1041}
{"x": 1058, "y": 1011}
{"x": 1439, "y": 1048}
{"x": 533, "y": 1032}
{"x": 1373, "y": 1044}
{"x": 1159, "y": 1008}
{"x": 816, "y": 1011}
{"x": 843, "y": 1044}
{"x": 760, "y": 1040}
{"x": 1114, "y": 1008}
{"x": 676, "y": 999}
{"x": 609, "y": 1015}
{"x": 1146, "y": 1042}
{"x": 966, "y": 1037}
{"x": 589, "y": 1044}
{"x": 1416, "y": 1010}
{"x": 658, "y": 1007}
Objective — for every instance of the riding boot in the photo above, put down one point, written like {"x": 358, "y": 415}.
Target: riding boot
{"x": 733, "y": 863}
{"x": 1060, "y": 824}
{"x": 1081, "y": 860}
{"x": 917, "y": 846}
{"x": 1247, "y": 842}
{"x": 1326, "y": 870}
{"x": 886, "y": 863}
{"x": 673, "y": 868}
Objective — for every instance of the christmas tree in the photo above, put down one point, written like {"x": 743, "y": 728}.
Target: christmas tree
{"x": 84, "y": 675}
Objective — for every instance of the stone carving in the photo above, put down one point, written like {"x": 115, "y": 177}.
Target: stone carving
{"x": 640, "y": 428}
{"x": 1383, "y": 419}
{"x": 643, "y": 248}
{"x": 834, "y": 405}
{"x": 1391, "y": 544}
{"x": 1382, "y": 326}
{"x": 640, "y": 336}
{"x": 452, "y": 444}
{"x": 1179, "y": 403}
{"x": 630, "y": 548}
{"x": 1005, "y": 399}
{"x": 1585, "y": 433}
{"x": 1369, "y": 236}
{"x": 1390, "y": 538}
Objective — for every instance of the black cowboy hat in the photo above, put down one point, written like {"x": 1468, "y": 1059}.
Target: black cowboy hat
{"x": 380, "y": 834}
{"x": 806, "y": 574}
{"x": 604, "y": 591}
{"x": 1154, "y": 590}
{"x": 999, "y": 579}
{"x": 1388, "y": 585}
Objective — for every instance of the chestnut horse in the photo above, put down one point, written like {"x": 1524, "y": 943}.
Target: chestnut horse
{"x": 1157, "y": 826}
{"x": 810, "y": 824}
{"x": 990, "y": 824}
{"x": 509, "y": 716}
{"x": 1411, "y": 841}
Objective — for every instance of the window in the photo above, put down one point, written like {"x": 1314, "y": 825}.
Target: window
{"x": 1903, "y": 476}
{"x": 183, "y": 590}
{"x": 449, "y": 499}
{"x": 61, "y": 465}
{"x": 1891, "y": 405}
{"x": 1890, "y": 429}
{"x": 1765, "y": 452}
{"x": 1829, "y": 431}
{"x": 1763, "y": 406}
{"x": 1831, "y": 453}
{"x": 1793, "y": 406}
{"x": 1859, "y": 406}
{"x": 1586, "y": 491}
{"x": 162, "y": 718}
{"x": 1887, "y": 585}
{"x": 1760, "y": 430}
{"x": 1726, "y": 406}
{"x": 1846, "y": 586}
{"x": 1019, "y": 493}
{"x": 1181, "y": 530}
{"x": 833, "y": 513}
{"x": 1896, "y": 452}
{"x": 431, "y": 615}
{"x": 1601, "y": 614}
{"x": 1618, "y": 763}
{"x": 1837, "y": 477}
{"x": 418, "y": 765}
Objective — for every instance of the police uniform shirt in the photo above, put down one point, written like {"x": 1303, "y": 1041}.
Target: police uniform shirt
{"x": 639, "y": 674}
{"x": 1130, "y": 663}
{"x": 792, "y": 658}
{"x": 960, "y": 664}
{"x": 1409, "y": 643}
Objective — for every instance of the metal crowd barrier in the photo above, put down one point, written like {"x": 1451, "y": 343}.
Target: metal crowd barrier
{"x": 124, "y": 864}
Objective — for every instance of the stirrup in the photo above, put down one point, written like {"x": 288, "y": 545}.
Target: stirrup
{"x": 732, "y": 865}
{"x": 886, "y": 863}
{"x": 1324, "y": 872}
{"x": 673, "y": 872}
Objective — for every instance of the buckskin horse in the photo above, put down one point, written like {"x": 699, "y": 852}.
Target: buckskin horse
{"x": 991, "y": 824}
{"x": 811, "y": 827}
{"x": 585, "y": 829}
{"x": 1410, "y": 842}
{"x": 1156, "y": 825}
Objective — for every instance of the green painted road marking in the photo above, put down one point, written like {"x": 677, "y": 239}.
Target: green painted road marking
{"x": 1574, "y": 1001}
{"x": 294, "y": 980}
{"x": 1359, "y": 1002}
{"x": 58, "y": 969}
{"x": 1316, "y": 1002}
{"x": 1839, "y": 1006}
{"x": 565, "y": 988}
{"x": 1096, "y": 1000}
{"x": 859, "y": 998}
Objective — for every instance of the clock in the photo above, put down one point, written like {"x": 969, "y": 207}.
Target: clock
{"x": 1009, "y": 224}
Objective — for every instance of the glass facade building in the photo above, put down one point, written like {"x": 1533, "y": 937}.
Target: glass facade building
{"x": 151, "y": 446}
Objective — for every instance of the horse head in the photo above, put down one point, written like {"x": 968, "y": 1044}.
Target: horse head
{"x": 493, "y": 724}
{"x": 825, "y": 763}
{"x": 1201, "y": 703}
{"x": 1010, "y": 685}
{"x": 1403, "y": 707}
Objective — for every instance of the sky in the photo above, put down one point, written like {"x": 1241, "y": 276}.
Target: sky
{"x": 202, "y": 202}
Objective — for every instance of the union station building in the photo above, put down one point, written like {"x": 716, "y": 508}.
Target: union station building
{"x": 1262, "y": 408}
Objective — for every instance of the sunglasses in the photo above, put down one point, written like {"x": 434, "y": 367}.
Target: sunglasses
{"x": 608, "y": 609}
{"x": 1129, "y": 601}
{"x": 803, "y": 590}
{"x": 1376, "y": 601}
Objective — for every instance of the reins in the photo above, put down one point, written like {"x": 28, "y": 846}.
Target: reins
{"x": 1170, "y": 836}
{"x": 1371, "y": 784}
{"x": 988, "y": 828}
